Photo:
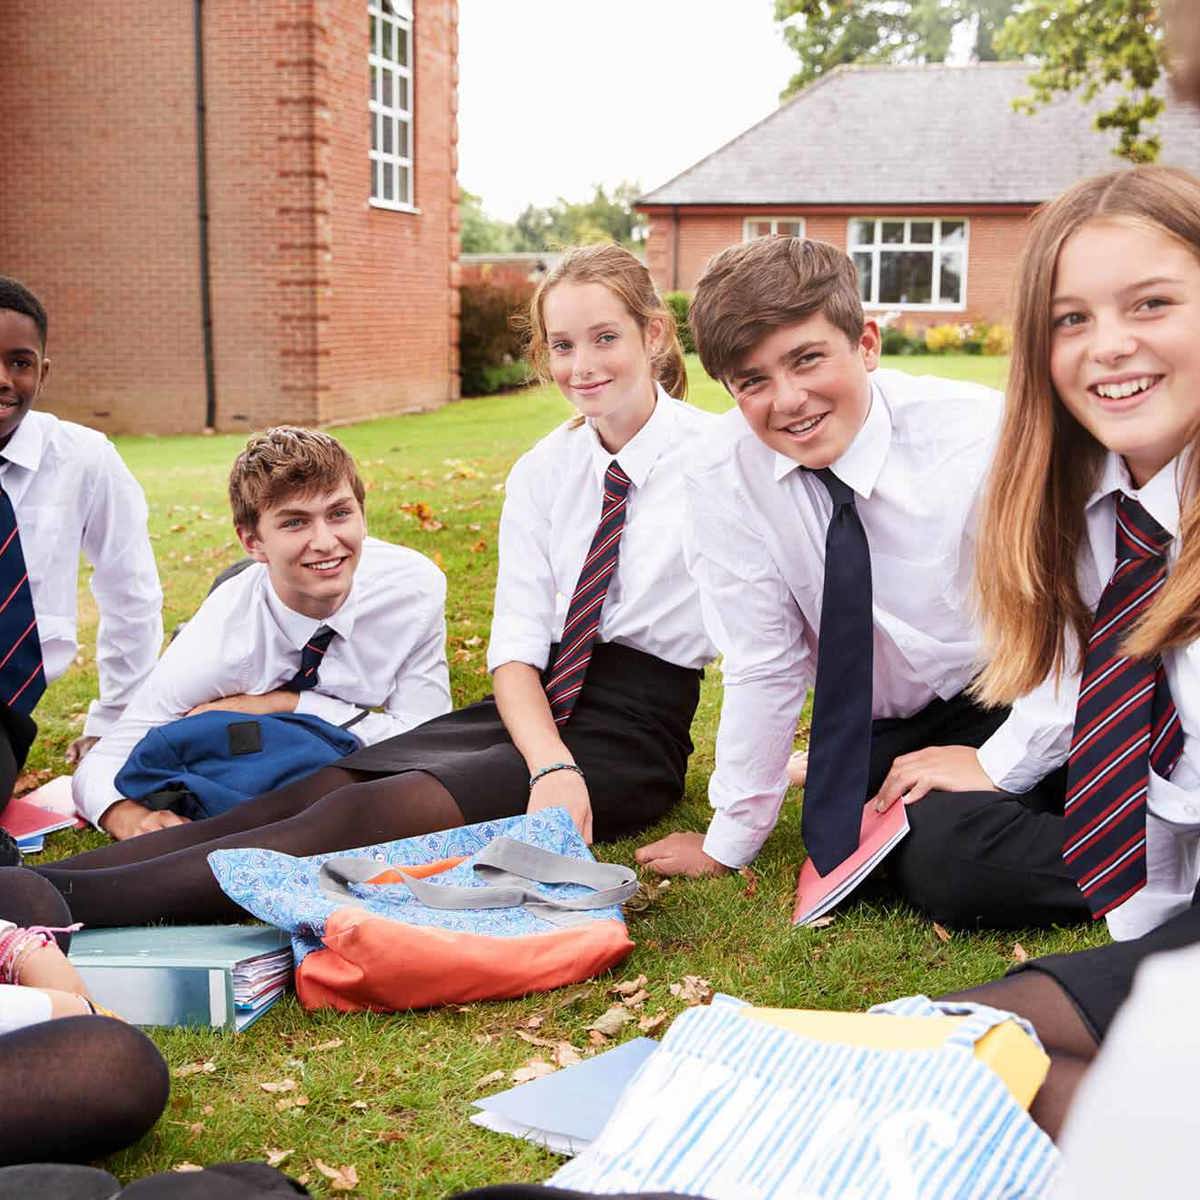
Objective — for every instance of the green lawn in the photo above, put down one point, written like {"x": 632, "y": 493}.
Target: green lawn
{"x": 413, "y": 1075}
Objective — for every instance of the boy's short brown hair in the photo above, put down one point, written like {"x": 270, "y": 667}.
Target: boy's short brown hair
{"x": 753, "y": 288}
{"x": 288, "y": 461}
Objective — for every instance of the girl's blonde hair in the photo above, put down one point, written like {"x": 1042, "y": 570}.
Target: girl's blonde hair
{"x": 627, "y": 278}
{"x": 1047, "y": 464}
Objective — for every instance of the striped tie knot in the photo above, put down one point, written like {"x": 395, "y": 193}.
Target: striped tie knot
{"x": 1125, "y": 723}
{"x": 565, "y": 673}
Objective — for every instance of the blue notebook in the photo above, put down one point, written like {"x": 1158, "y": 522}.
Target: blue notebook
{"x": 225, "y": 976}
{"x": 566, "y": 1110}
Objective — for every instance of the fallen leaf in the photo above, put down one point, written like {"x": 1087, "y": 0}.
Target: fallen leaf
{"x": 535, "y": 1022}
{"x": 535, "y": 1068}
{"x": 943, "y": 935}
{"x": 473, "y": 641}
{"x": 653, "y": 1024}
{"x": 275, "y": 1156}
{"x": 488, "y": 1080}
{"x": 183, "y": 1167}
{"x": 177, "y": 529}
{"x": 692, "y": 990}
{"x": 534, "y": 1040}
{"x": 299, "y": 1101}
{"x": 822, "y": 922}
{"x": 479, "y": 547}
{"x": 565, "y": 1054}
{"x": 629, "y": 986}
{"x": 751, "y": 877}
{"x": 609, "y": 1024}
{"x": 1019, "y": 953}
{"x": 195, "y": 1068}
{"x": 597, "y": 1038}
{"x": 341, "y": 1179}
{"x": 208, "y": 1110}
{"x": 437, "y": 560}
{"x": 332, "y": 1044}
{"x": 637, "y": 999}
{"x": 360, "y": 1104}
{"x": 284, "y": 1085}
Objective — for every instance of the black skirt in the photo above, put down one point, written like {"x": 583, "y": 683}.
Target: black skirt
{"x": 630, "y": 734}
{"x": 1099, "y": 981}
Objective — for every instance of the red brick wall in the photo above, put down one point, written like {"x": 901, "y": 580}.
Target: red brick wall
{"x": 324, "y": 309}
{"x": 995, "y": 242}
{"x": 98, "y": 211}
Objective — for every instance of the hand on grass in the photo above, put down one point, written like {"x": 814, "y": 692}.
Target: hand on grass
{"x": 564, "y": 789}
{"x": 127, "y": 819}
{"x": 679, "y": 854}
{"x": 78, "y": 749}
{"x": 259, "y": 706}
{"x": 947, "y": 768}
{"x": 797, "y": 768}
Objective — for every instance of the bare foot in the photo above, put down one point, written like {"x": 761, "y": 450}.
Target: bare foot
{"x": 797, "y": 768}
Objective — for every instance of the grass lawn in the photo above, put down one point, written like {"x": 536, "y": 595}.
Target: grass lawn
{"x": 391, "y": 1094}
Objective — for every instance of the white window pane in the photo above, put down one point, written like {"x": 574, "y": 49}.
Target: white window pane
{"x": 402, "y": 139}
{"x": 374, "y": 180}
{"x": 373, "y": 41}
{"x": 385, "y": 84}
{"x": 920, "y": 231}
{"x": 954, "y": 233}
{"x": 387, "y": 181}
{"x": 402, "y": 47}
{"x": 862, "y": 233}
{"x": 389, "y": 124}
{"x": 950, "y": 277}
{"x": 891, "y": 231}
{"x": 402, "y": 93}
{"x": 790, "y": 228}
{"x": 385, "y": 48}
{"x": 862, "y": 264}
{"x": 403, "y": 185}
{"x": 375, "y": 83}
{"x": 758, "y": 229}
{"x": 906, "y": 277}
{"x": 374, "y": 131}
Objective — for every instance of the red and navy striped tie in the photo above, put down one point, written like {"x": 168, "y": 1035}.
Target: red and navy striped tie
{"x": 1124, "y": 724}
{"x": 310, "y": 661}
{"x": 564, "y": 676}
{"x": 22, "y": 676}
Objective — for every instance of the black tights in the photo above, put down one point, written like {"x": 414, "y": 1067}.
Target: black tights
{"x": 165, "y": 876}
{"x": 27, "y": 899}
{"x": 1037, "y": 996}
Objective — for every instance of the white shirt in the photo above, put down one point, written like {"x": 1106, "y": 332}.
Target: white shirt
{"x": 1131, "y": 1131}
{"x": 755, "y": 543}
{"x": 551, "y": 509}
{"x": 1036, "y": 738}
{"x": 22, "y": 1006}
{"x": 390, "y": 654}
{"x": 71, "y": 492}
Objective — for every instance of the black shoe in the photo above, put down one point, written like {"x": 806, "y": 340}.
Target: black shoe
{"x": 10, "y": 853}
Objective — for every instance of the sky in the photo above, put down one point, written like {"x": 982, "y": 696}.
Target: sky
{"x": 556, "y": 96}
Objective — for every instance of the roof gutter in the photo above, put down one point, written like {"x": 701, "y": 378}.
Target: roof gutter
{"x": 206, "y": 324}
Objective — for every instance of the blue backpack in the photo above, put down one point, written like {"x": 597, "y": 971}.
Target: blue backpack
{"x": 207, "y": 764}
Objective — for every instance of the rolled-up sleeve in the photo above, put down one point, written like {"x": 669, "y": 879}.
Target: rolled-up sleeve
{"x": 1035, "y": 739}
{"x": 754, "y": 621}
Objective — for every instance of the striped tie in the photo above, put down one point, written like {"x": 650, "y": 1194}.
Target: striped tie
{"x": 1124, "y": 724}
{"x": 310, "y": 661}
{"x": 564, "y": 675}
{"x": 22, "y": 677}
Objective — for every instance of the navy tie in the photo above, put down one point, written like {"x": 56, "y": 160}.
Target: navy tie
{"x": 840, "y": 743}
{"x": 310, "y": 661}
{"x": 22, "y": 676}
{"x": 564, "y": 676}
{"x": 1125, "y": 723}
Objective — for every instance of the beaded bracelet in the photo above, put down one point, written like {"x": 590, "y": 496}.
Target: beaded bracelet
{"x": 546, "y": 770}
{"x": 16, "y": 945}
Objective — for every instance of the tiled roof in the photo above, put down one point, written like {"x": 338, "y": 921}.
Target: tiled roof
{"x": 915, "y": 135}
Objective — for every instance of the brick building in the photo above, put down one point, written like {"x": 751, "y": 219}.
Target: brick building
{"x": 924, "y": 174}
{"x": 311, "y": 141}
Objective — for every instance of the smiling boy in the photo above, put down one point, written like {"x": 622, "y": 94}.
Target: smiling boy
{"x": 328, "y": 621}
{"x": 831, "y": 530}
{"x": 64, "y": 490}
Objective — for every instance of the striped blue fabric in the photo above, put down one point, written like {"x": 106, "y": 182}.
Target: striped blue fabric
{"x": 732, "y": 1109}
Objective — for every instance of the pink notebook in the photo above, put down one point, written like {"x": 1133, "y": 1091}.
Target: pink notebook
{"x": 25, "y": 820}
{"x": 881, "y": 832}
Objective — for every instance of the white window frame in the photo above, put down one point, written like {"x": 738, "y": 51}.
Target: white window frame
{"x": 876, "y": 247}
{"x": 397, "y": 16}
{"x": 747, "y": 236}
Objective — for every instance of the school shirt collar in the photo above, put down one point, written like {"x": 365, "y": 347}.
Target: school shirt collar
{"x": 860, "y": 465}
{"x": 298, "y": 628}
{"x": 27, "y": 444}
{"x": 1160, "y": 496}
{"x": 638, "y": 456}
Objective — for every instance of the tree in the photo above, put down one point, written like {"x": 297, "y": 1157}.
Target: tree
{"x": 606, "y": 217}
{"x": 829, "y": 33}
{"x": 1087, "y": 45}
{"x": 479, "y": 233}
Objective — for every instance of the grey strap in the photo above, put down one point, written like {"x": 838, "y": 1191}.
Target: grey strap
{"x": 507, "y": 864}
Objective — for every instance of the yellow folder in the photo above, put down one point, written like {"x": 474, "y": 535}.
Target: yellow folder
{"x": 1007, "y": 1049}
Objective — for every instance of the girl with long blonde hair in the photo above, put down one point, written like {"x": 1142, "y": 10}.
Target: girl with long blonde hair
{"x": 596, "y": 647}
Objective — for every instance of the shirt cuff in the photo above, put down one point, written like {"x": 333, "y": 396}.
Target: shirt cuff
{"x": 101, "y": 719}
{"x": 1001, "y": 758}
{"x": 534, "y": 652}
{"x": 732, "y": 843}
{"x": 328, "y": 708}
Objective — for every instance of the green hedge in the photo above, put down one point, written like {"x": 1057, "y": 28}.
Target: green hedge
{"x": 490, "y": 345}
